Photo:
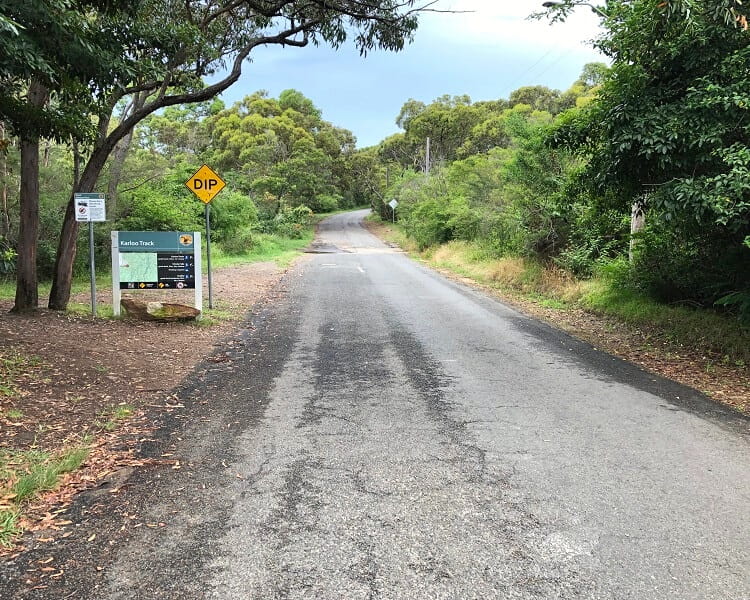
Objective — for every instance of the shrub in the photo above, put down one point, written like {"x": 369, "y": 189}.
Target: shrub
{"x": 680, "y": 263}
{"x": 292, "y": 222}
{"x": 7, "y": 258}
{"x": 326, "y": 203}
{"x": 595, "y": 236}
{"x": 231, "y": 212}
{"x": 240, "y": 242}
{"x": 152, "y": 210}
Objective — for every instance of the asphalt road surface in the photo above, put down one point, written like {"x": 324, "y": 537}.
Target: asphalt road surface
{"x": 382, "y": 432}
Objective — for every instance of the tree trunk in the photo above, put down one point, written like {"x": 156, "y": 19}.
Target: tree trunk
{"x": 637, "y": 222}
{"x": 47, "y": 150}
{"x": 27, "y": 292}
{"x": 120, "y": 152}
{"x": 62, "y": 277}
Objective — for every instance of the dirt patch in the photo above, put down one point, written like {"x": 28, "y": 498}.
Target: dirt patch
{"x": 77, "y": 380}
{"x": 74, "y": 370}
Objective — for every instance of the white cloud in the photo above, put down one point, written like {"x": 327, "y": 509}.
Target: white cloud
{"x": 505, "y": 24}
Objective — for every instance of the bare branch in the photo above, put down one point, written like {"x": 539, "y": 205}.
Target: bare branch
{"x": 137, "y": 185}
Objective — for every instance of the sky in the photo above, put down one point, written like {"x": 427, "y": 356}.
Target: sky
{"x": 486, "y": 52}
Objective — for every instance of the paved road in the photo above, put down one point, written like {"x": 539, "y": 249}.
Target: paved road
{"x": 397, "y": 435}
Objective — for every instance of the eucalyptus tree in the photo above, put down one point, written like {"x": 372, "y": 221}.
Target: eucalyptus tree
{"x": 54, "y": 53}
{"x": 201, "y": 38}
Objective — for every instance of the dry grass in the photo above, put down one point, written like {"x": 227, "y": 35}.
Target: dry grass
{"x": 513, "y": 273}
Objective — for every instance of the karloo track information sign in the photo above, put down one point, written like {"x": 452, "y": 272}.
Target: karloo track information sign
{"x": 156, "y": 260}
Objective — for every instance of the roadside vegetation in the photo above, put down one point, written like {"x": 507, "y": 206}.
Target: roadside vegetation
{"x": 709, "y": 332}
{"x": 626, "y": 194}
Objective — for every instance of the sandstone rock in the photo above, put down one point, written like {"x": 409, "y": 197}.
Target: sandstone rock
{"x": 159, "y": 311}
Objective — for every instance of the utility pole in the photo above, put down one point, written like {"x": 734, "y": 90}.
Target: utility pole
{"x": 427, "y": 157}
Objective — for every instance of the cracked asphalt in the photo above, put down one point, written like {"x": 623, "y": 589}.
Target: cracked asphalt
{"x": 382, "y": 432}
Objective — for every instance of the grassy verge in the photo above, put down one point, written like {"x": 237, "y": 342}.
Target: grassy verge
{"x": 24, "y": 475}
{"x": 266, "y": 248}
{"x": 704, "y": 330}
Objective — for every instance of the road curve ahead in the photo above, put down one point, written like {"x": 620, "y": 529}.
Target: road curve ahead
{"x": 412, "y": 438}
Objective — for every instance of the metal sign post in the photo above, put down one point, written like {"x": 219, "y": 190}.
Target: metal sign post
{"x": 208, "y": 257}
{"x": 93, "y": 268}
{"x": 90, "y": 208}
{"x": 205, "y": 184}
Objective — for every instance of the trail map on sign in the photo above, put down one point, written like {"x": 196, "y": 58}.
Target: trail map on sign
{"x": 139, "y": 266}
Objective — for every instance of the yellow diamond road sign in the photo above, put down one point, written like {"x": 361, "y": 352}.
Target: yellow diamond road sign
{"x": 205, "y": 184}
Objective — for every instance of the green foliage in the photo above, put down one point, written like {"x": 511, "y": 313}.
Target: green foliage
{"x": 669, "y": 129}
{"x": 596, "y": 235}
{"x": 68, "y": 48}
{"x": 283, "y": 153}
{"x": 293, "y": 222}
{"x": 7, "y": 257}
{"x": 737, "y": 301}
{"x": 701, "y": 268}
{"x": 152, "y": 210}
{"x": 232, "y": 212}
{"x": 539, "y": 97}
{"x": 508, "y": 197}
{"x": 241, "y": 242}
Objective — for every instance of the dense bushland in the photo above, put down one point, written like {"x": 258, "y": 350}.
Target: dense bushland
{"x": 556, "y": 177}
{"x": 506, "y": 189}
{"x": 281, "y": 160}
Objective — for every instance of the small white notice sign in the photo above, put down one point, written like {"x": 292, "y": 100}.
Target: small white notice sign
{"x": 393, "y": 203}
{"x": 90, "y": 208}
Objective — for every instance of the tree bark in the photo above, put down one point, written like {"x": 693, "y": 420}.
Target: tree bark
{"x": 27, "y": 289}
{"x": 120, "y": 152}
{"x": 4, "y": 214}
{"x": 27, "y": 294}
{"x": 62, "y": 279}
{"x": 46, "y": 154}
